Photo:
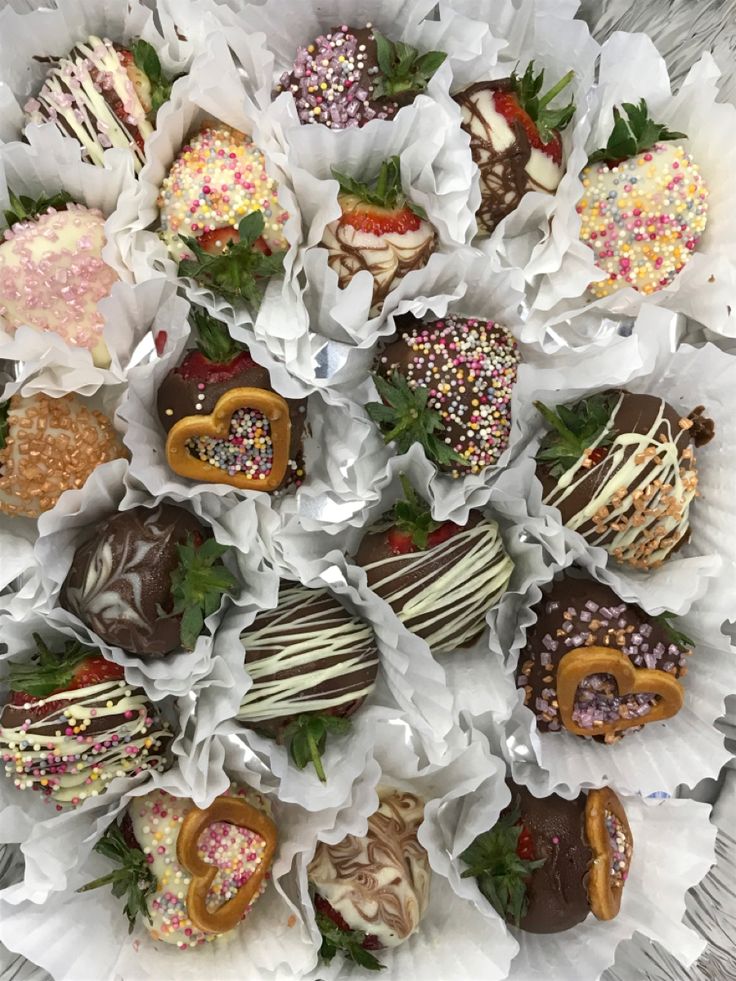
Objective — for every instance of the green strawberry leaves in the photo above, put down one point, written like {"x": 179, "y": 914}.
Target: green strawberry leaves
{"x": 528, "y": 89}
{"x": 413, "y": 516}
{"x": 213, "y": 339}
{"x": 48, "y": 671}
{"x": 574, "y": 429}
{"x": 635, "y": 134}
{"x": 133, "y": 880}
{"x": 23, "y": 208}
{"x": 676, "y": 636}
{"x": 404, "y": 417}
{"x": 240, "y": 271}
{"x": 492, "y": 859}
{"x": 348, "y": 942}
{"x": 384, "y": 192}
{"x": 147, "y": 61}
{"x": 402, "y": 67}
{"x": 197, "y": 586}
{"x": 308, "y": 734}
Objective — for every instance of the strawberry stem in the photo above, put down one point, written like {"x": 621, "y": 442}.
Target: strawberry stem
{"x": 556, "y": 89}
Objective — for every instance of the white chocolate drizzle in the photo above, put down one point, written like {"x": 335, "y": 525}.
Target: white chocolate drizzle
{"x": 645, "y": 487}
{"x": 311, "y": 635}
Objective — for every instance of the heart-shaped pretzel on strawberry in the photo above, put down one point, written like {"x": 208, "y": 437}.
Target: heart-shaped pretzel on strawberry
{"x": 217, "y": 425}
{"x": 232, "y": 810}
{"x": 582, "y": 662}
{"x": 609, "y": 836}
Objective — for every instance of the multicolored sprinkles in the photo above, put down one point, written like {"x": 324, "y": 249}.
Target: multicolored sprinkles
{"x": 469, "y": 367}
{"x": 248, "y": 448}
{"x": 621, "y": 849}
{"x": 643, "y": 218}
{"x": 218, "y": 178}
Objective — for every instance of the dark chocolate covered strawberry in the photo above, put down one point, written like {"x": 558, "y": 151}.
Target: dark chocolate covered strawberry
{"x": 620, "y": 468}
{"x": 104, "y": 95}
{"x": 514, "y": 139}
{"x": 438, "y": 577}
{"x": 548, "y": 862}
{"x": 379, "y": 230}
{"x": 72, "y": 724}
{"x": 147, "y": 579}
{"x": 312, "y": 664}
{"x": 223, "y": 420}
{"x": 349, "y": 76}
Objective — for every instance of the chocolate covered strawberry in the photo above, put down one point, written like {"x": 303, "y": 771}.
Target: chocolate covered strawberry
{"x": 147, "y": 579}
{"x": 72, "y": 724}
{"x": 379, "y": 230}
{"x": 223, "y": 420}
{"x": 439, "y": 578}
{"x": 644, "y": 206}
{"x": 514, "y": 139}
{"x": 105, "y": 95}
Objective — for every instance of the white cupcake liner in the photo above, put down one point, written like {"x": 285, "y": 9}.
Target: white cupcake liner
{"x": 52, "y": 33}
{"x": 69, "y": 931}
{"x": 631, "y": 69}
{"x": 212, "y": 92}
{"x": 673, "y": 849}
{"x": 454, "y": 939}
{"x": 645, "y": 362}
{"x": 107, "y": 491}
{"x": 531, "y": 238}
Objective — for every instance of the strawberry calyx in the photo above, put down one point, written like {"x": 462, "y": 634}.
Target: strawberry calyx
{"x": 24, "y": 208}
{"x": 414, "y": 529}
{"x": 547, "y": 122}
{"x": 356, "y": 945}
{"x": 49, "y": 672}
{"x": 371, "y": 941}
{"x": 634, "y": 134}
{"x": 218, "y": 357}
{"x": 308, "y": 737}
{"x": 402, "y": 69}
{"x": 574, "y": 430}
{"x": 381, "y": 205}
{"x": 147, "y": 61}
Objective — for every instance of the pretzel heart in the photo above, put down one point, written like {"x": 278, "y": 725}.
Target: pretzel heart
{"x": 232, "y": 810}
{"x": 584, "y": 661}
{"x": 217, "y": 425}
{"x": 606, "y": 884}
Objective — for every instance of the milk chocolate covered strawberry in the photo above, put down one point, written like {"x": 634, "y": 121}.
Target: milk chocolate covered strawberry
{"x": 514, "y": 139}
{"x": 105, "y": 95}
{"x": 439, "y": 578}
{"x": 548, "y": 862}
{"x": 223, "y": 420}
{"x": 349, "y": 76}
{"x": 620, "y": 468}
{"x": 72, "y": 724}
{"x": 644, "y": 206}
{"x": 379, "y": 230}
{"x": 193, "y": 874}
{"x": 147, "y": 579}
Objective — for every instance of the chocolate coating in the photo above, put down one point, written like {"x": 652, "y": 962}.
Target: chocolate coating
{"x": 565, "y": 623}
{"x": 642, "y": 488}
{"x": 190, "y": 392}
{"x": 121, "y": 576}
{"x": 335, "y": 679}
{"x": 505, "y": 168}
{"x": 557, "y": 893}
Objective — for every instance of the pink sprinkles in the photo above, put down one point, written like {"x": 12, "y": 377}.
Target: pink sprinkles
{"x": 620, "y": 849}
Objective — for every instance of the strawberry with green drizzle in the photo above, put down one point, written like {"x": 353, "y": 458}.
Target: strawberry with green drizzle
{"x": 380, "y": 230}
{"x": 219, "y": 365}
{"x": 515, "y": 139}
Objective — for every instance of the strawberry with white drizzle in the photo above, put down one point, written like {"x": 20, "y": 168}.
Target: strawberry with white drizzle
{"x": 379, "y": 230}
{"x": 514, "y": 139}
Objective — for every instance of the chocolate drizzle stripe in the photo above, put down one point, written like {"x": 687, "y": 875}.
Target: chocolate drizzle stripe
{"x": 315, "y": 645}
{"x": 458, "y": 599}
{"x": 27, "y": 751}
{"x": 621, "y": 473}
{"x": 72, "y": 96}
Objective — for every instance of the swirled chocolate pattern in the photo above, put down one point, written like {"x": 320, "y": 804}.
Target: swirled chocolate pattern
{"x": 97, "y": 95}
{"x": 387, "y": 257}
{"x": 442, "y": 594}
{"x": 84, "y": 739}
{"x": 307, "y": 655}
{"x": 378, "y": 883}
{"x": 635, "y": 500}
{"x": 120, "y": 578}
